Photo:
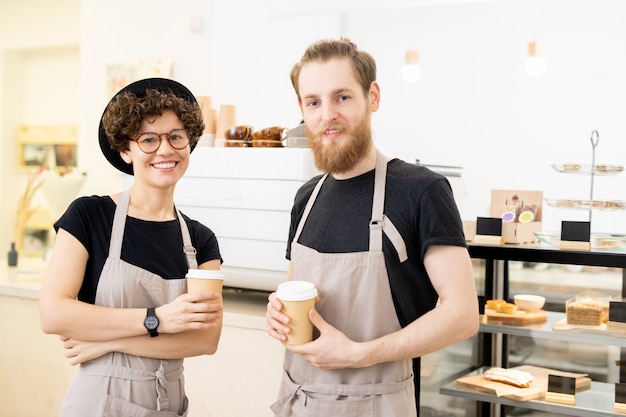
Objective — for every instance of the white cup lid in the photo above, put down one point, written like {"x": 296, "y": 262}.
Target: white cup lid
{"x": 205, "y": 274}
{"x": 296, "y": 291}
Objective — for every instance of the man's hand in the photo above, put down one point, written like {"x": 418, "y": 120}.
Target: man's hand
{"x": 276, "y": 321}
{"x": 332, "y": 349}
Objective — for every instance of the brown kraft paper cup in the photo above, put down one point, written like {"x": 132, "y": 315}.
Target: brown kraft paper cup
{"x": 205, "y": 280}
{"x": 298, "y": 297}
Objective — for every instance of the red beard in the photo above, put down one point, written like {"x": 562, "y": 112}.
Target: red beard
{"x": 335, "y": 158}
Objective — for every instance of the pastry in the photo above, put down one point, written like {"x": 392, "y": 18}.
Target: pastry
{"x": 588, "y": 312}
{"x": 564, "y": 203}
{"x": 571, "y": 167}
{"x": 612, "y": 205}
{"x": 515, "y": 377}
{"x": 493, "y": 304}
{"x": 609, "y": 168}
{"x": 507, "y": 308}
{"x": 501, "y": 306}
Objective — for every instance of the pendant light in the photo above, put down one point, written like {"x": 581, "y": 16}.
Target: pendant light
{"x": 411, "y": 71}
{"x": 535, "y": 64}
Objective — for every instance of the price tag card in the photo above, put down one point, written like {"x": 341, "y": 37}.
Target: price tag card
{"x": 561, "y": 389}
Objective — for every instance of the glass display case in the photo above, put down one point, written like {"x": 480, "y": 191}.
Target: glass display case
{"x": 558, "y": 274}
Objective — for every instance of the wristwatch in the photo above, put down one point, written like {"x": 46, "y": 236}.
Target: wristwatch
{"x": 151, "y": 322}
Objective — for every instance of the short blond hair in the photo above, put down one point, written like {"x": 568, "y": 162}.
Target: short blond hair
{"x": 363, "y": 63}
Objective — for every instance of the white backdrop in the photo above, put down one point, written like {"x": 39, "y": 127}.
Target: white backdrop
{"x": 474, "y": 106}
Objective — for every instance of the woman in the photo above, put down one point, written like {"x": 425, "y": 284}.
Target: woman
{"x": 114, "y": 289}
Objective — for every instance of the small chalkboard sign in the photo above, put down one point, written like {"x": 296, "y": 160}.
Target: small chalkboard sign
{"x": 617, "y": 311}
{"x": 488, "y": 230}
{"x": 622, "y": 366}
{"x": 620, "y": 398}
{"x": 561, "y": 384}
{"x": 576, "y": 235}
{"x": 617, "y": 317}
{"x": 489, "y": 226}
{"x": 561, "y": 389}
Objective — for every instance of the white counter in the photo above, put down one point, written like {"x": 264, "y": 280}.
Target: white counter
{"x": 242, "y": 308}
{"x": 23, "y": 280}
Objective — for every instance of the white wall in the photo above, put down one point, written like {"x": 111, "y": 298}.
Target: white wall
{"x": 474, "y": 105}
{"x": 121, "y": 32}
{"x": 39, "y": 43}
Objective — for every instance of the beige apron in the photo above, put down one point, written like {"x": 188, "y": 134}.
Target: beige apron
{"x": 355, "y": 297}
{"x": 124, "y": 385}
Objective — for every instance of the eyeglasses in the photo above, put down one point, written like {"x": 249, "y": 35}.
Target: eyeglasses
{"x": 150, "y": 142}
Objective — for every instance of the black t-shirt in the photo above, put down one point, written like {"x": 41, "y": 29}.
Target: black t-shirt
{"x": 154, "y": 246}
{"x": 420, "y": 204}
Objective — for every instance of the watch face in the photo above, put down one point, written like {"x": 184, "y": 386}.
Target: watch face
{"x": 151, "y": 322}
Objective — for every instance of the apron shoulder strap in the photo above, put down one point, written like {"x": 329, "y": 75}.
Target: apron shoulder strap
{"x": 190, "y": 251}
{"x": 379, "y": 222}
{"x": 119, "y": 222}
{"x": 308, "y": 207}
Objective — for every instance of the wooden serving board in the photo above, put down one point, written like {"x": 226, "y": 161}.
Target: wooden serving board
{"x": 536, "y": 391}
{"x": 518, "y": 318}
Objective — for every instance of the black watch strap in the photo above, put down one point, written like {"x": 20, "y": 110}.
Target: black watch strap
{"x": 151, "y": 322}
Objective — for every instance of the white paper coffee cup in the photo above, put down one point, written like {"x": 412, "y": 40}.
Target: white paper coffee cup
{"x": 205, "y": 280}
{"x": 298, "y": 297}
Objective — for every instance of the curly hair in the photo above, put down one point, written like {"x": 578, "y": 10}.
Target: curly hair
{"x": 363, "y": 63}
{"x": 123, "y": 116}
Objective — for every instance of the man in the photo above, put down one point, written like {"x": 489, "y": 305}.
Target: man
{"x": 383, "y": 242}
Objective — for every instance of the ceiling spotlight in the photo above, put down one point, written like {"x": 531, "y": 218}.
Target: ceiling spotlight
{"x": 536, "y": 63}
{"x": 411, "y": 71}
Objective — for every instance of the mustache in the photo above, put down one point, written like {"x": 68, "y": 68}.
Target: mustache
{"x": 319, "y": 132}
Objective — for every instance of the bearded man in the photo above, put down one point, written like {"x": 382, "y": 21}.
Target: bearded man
{"x": 382, "y": 240}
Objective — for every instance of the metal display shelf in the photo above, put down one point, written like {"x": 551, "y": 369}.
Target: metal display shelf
{"x": 497, "y": 257}
{"x": 542, "y": 252}
{"x": 545, "y": 331}
{"x": 493, "y": 338}
{"x": 597, "y": 401}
